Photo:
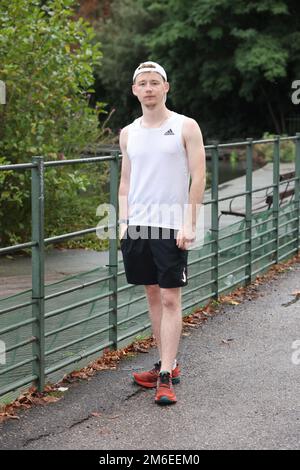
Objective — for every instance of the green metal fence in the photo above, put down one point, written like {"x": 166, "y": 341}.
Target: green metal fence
{"x": 53, "y": 329}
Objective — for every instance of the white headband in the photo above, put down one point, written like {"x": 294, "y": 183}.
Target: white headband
{"x": 155, "y": 68}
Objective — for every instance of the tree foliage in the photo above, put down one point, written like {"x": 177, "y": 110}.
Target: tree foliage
{"x": 122, "y": 37}
{"x": 230, "y": 62}
{"x": 47, "y": 60}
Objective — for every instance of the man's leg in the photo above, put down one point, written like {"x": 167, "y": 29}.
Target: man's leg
{"x": 149, "y": 379}
{"x": 155, "y": 311}
{"x": 171, "y": 326}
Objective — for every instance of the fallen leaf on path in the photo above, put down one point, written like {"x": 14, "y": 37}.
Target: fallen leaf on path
{"x": 227, "y": 341}
{"x": 50, "y": 399}
{"x": 140, "y": 349}
{"x": 5, "y": 416}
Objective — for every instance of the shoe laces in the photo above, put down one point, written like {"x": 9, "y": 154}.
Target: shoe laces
{"x": 164, "y": 379}
{"x": 156, "y": 368}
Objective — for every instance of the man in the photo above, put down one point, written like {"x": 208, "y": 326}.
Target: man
{"x": 157, "y": 214}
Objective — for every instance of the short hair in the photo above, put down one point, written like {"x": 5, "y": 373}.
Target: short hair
{"x": 144, "y": 65}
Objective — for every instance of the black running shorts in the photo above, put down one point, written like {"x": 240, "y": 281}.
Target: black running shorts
{"x": 151, "y": 256}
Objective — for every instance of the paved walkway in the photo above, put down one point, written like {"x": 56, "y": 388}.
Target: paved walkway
{"x": 261, "y": 178}
{"x": 240, "y": 394}
{"x": 15, "y": 272}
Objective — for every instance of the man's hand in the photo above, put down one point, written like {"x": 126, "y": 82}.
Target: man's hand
{"x": 122, "y": 230}
{"x": 185, "y": 237}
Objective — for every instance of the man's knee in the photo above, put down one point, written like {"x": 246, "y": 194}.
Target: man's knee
{"x": 170, "y": 298}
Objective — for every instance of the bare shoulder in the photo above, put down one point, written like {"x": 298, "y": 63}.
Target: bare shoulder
{"x": 123, "y": 139}
{"x": 124, "y": 135}
{"x": 191, "y": 129}
{"x": 190, "y": 126}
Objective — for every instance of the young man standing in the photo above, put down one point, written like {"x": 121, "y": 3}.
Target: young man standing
{"x": 157, "y": 214}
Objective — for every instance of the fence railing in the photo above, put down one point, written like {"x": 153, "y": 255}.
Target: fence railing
{"x": 50, "y": 328}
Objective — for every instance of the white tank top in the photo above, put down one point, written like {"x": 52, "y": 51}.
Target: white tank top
{"x": 159, "y": 179}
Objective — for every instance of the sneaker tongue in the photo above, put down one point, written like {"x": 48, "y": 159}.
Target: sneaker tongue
{"x": 164, "y": 376}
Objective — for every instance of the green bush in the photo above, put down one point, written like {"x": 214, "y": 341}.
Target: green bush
{"x": 47, "y": 59}
{"x": 265, "y": 151}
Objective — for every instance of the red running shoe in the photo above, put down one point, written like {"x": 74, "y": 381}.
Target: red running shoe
{"x": 165, "y": 394}
{"x": 149, "y": 379}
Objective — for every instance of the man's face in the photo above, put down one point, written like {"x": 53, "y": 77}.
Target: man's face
{"x": 150, "y": 89}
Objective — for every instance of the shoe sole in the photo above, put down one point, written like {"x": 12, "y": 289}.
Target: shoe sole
{"x": 165, "y": 401}
{"x": 175, "y": 381}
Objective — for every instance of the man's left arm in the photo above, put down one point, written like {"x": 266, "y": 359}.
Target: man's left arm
{"x": 193, "y": 142}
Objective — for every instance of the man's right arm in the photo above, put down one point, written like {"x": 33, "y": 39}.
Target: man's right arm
{"x": 124, "y": 181}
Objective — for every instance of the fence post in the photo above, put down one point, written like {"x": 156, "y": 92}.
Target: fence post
{"x": 37, "y": 259}
{"x": 297, "y": 186}
{"x": 2, "y": 92}
{"x": 276, "y": 170}
{"x": 113, "y": 253}
{"x": 249, "y": 218}
{"x": 215, "y": 217}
